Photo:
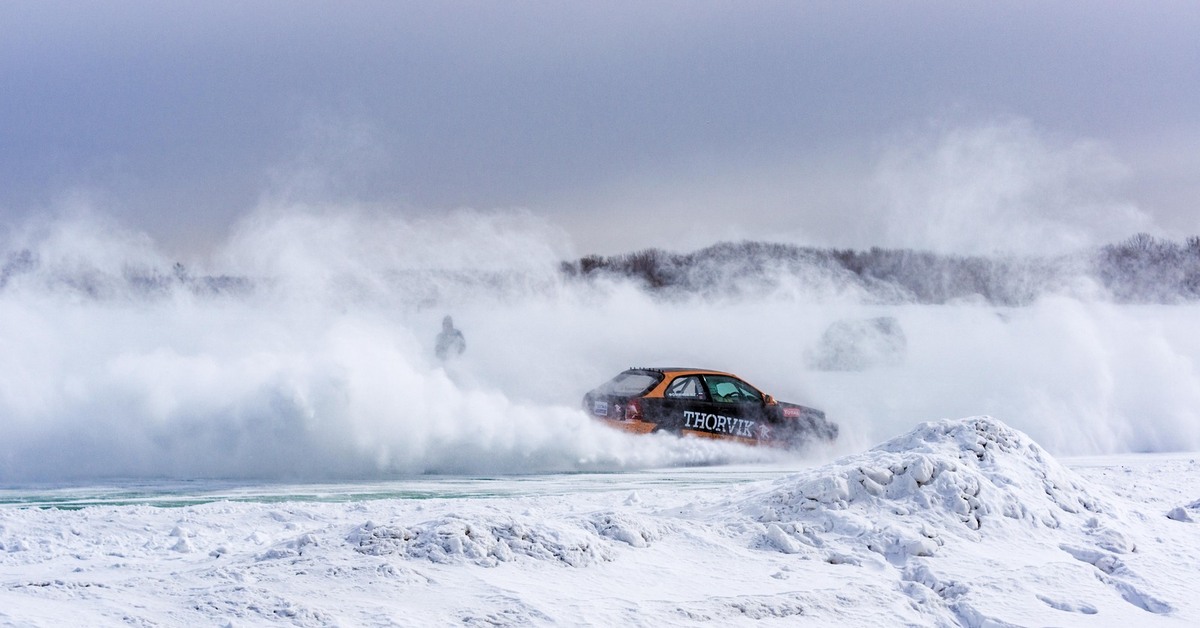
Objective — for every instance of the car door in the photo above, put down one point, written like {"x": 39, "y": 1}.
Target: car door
{"x": 683, "y": 396}
{"x": 732, "y": 408}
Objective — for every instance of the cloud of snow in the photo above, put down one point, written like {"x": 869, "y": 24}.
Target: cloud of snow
{"x": 303, "y": 348}
{"x": 1002, "y": 186}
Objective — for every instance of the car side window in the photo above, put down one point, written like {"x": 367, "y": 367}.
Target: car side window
{"x": 685, "y": 388}
{"x": 731, "y": 390}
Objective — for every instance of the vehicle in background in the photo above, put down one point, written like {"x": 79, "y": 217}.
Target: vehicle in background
{"x": 705, "y": 403}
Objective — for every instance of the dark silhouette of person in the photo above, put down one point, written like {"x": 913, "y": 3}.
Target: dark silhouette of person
{"x": 450, "y": 342}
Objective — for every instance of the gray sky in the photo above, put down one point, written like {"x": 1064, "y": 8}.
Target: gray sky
{"x": 952, "y": 125}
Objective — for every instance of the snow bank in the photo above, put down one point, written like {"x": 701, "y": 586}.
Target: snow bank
{"x": 962, "y": 522}
{"x": 933, "y": 512}
{"x": 955, "y": 487}
{"x": 965, "y": 472}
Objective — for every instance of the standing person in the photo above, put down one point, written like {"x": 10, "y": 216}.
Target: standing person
{"x": 450, "y": 342}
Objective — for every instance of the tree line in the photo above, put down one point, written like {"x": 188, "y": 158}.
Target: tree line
{"x": 1141, "y": 269}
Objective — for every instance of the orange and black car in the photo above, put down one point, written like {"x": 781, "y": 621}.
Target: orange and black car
{"x": 702, "y": 402}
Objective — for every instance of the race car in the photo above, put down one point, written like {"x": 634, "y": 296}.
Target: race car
{"x": 705, "y": 403}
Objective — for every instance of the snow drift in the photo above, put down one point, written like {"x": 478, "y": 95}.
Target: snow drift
{"x": 919, "y": 505}
{"x": 958, "y": 522}
{"x": 968, "y": 521}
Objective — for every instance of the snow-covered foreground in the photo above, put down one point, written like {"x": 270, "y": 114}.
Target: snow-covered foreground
{"x": 961, "y": 522}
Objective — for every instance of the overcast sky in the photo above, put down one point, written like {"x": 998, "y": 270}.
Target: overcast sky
{"x": 952, "y": 125}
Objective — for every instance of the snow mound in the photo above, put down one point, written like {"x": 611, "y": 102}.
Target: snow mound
{"x": 966, "y": 471}
{"x": 915, "y": 505}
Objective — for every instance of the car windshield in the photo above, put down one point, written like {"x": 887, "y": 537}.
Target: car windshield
{"x": 630, "y": 383}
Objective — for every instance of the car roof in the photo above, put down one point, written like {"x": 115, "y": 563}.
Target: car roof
{"x": 680, "y": 369}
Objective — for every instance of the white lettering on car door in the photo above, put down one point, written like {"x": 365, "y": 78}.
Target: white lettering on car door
{"x": 718, "y": 423}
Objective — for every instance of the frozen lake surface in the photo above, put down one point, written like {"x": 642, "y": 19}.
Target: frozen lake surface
{"x": 174, "y": 494}
{"x": 956, "y": 523}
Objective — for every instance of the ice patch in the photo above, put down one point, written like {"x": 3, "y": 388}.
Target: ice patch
{"x": 1179, "y": 513}
{"x": 623, "y": 528}
{"x": 1070, "y": 607}
{"x": 487, "y": 543}
{"x": 296, "y": 547}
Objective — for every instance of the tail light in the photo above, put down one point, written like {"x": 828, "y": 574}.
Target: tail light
{"x": 633, "y": 410}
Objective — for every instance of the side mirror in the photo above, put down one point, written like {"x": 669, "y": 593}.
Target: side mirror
{"x": 768, "y": 400}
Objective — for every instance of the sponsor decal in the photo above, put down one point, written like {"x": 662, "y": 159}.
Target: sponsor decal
{"x": 791, "y": 413}
{"x": 600, "y": 408}
{"x": 718, "y": 423}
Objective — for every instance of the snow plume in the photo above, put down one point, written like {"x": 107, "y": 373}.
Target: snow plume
{"x": 1079, "y": 376}
{"x": 303, "y": 348}
{"x": 1002, "y": 186}
{"x": 311, "y": 359}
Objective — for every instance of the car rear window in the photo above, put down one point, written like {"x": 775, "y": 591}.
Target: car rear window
{"x": 631, "y": 383}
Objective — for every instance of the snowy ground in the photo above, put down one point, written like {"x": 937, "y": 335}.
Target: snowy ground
{"x": 964, "y": 522}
